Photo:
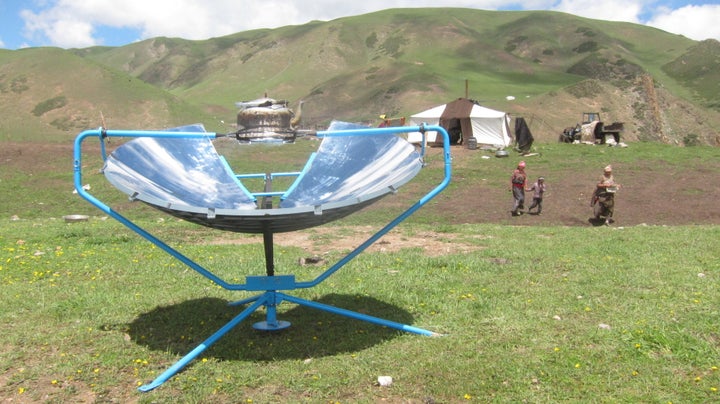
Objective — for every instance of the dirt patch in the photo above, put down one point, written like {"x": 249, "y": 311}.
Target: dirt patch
{"x": 652, "y": 193}
{"x": 320, "y": 241}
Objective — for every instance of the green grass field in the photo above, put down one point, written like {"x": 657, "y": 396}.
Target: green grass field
{"x": 90, "y": 311}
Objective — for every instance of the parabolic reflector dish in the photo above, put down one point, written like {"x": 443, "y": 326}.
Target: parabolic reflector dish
{"x": 187, "y": 178}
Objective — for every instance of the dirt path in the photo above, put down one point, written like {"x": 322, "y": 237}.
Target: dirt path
{"x": 653, "y": 195}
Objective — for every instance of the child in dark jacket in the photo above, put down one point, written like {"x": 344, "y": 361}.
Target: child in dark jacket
{"x": 538, "y": 189}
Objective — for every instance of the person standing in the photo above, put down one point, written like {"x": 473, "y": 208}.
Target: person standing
{"x": 518, "y": 182}
{"x": 603, "y": 200}
{"x": 538, "y": 189}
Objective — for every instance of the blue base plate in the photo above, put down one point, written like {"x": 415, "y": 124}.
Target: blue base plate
{"x": 265, "y": 326}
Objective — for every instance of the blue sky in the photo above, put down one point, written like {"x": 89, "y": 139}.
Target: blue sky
{"x": 84, "y": 23}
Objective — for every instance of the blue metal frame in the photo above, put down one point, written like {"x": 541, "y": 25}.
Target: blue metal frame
{"x": 269, "y": 285}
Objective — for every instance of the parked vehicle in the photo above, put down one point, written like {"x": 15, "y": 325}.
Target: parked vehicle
{"x": 592, "y": 129}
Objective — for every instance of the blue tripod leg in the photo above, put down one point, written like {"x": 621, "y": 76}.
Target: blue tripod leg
{"x": 359, "y": 316}
{"x": 179, "y": 365}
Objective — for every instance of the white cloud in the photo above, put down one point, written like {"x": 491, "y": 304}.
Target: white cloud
{"x": 70, "y": 23}
{"x": 60, "y": 26}
{"x": 611, "y": 10}
{"x": 694, "y": 22}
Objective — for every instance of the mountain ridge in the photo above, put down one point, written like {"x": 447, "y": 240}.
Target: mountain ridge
{"x": 401, "y": 61}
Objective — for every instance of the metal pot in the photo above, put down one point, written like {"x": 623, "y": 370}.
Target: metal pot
{"x": 266, "y": 119}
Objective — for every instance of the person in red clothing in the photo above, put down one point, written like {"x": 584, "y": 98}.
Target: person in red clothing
{"x": 517, "y": 184}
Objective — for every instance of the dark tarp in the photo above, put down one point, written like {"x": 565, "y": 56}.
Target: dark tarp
{"x": 523, "y": 137}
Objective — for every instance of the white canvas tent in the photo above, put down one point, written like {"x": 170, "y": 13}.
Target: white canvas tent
{"x": 487, "y": 126}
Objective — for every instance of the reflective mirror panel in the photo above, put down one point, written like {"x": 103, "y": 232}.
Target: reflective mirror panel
{"x": 187, "y": 178}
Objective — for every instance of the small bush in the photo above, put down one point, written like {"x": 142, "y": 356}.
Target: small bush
{"x": 588, "y": 46}
{"x": 49, "y": 105}
{"x": 691, "y": 139}
{"x": 19, "y": 85}
{"x": 371, "y": 40}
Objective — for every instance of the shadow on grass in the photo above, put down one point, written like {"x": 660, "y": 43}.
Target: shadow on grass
{"x": 181, "y": 327}
{"x": 598, "y": 222}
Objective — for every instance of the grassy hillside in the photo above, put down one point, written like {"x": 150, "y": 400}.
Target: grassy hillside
{"x": 52, "y": 94}
{"x": 697, "y": 70}
{"x": 402, "y": 61}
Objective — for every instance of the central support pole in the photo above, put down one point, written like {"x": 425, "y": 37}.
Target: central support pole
{"x": 267, "y": 233}
{"x": 269, "y": 251}
{"x": 271, "y": 322}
